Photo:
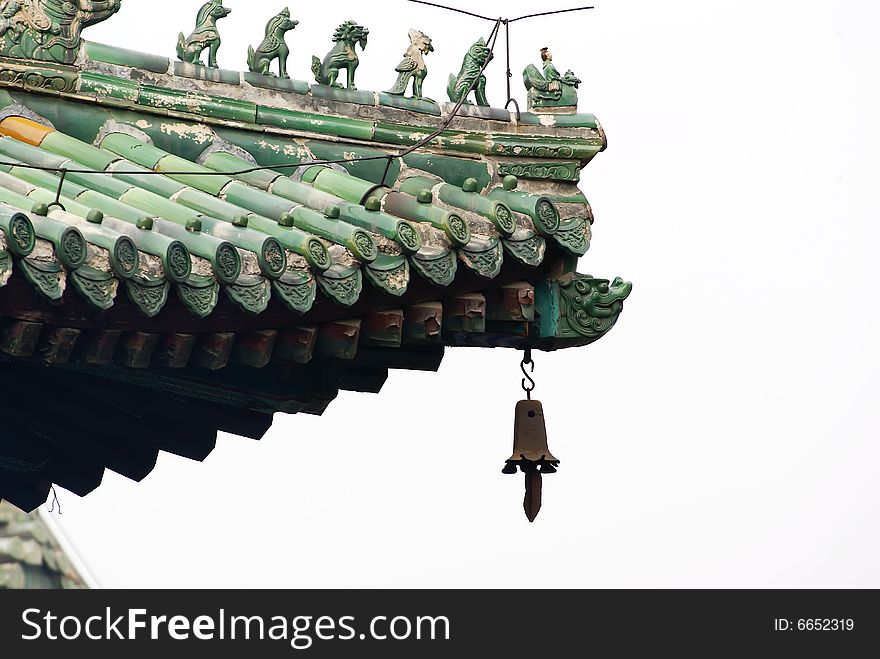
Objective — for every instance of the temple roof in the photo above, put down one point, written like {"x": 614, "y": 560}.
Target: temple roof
{"x": 30, "y": 554}
{"x": 212, "y": 247}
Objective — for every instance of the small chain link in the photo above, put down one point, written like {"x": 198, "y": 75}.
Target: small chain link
{"x": 528, "y": 383}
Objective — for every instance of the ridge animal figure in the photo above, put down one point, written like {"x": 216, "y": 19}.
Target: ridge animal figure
{"x": 413, "y": 66}
{"x": 458, "y": 89}
{"x": 550, "y": 90}
{"x": 343, "y": 56}
{"x": 273, "y": 47}
{"x": 49, "y": 30}
{"x": 7, "y": 12}
{"x": 205, "y": 35}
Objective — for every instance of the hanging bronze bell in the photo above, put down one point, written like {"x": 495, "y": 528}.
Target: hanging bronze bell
{"x": 531, "y": 454}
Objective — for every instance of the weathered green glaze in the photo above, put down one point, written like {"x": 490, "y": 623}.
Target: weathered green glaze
{"x": 542, "y": 210}
{"x": 390, "y": 273}
{"x": 437, "y": 265}
{"x": 257, "y": 201}
{"x": 297, "y": 241}
{"x": 70, "y": 245}
{"x": 121, "y": 249}
{"x": 6, "y": 267}
{"x": 47, "y": 180}
{"x": 205, "y": 36}
{"x": 46, "y": 277}
{"x": 199, "y": 294}
{"x": 539, "y": 146}
{"x": 40, "y": 198}
{"x": 21, "y": 202}
{"x": 471, "y": 76}
{"x": 269, "y": 252}
{"x": 223, "y": 162}
{"x": 327, "y": 206}
{"x": 96, "y": 287}
{"x": 183, "y": 171}
{"x": 85, "y": 154}
{"x": 484, "y": 256}
{"x": 297, "y": 289}
{"x": 454, "y": 171}
{"x": 32, "y": 76}
{"x": 209, "y": 73}
{"x": 573, "y": 235}
{"x": 250, "y": 294}
{"x": 350, "y": 188}
{"x": 49, "y": 30}
{"x": 273, "y": 47}
{"x": 369, "y": 170}
{"x": 107, "y": 185}
{"x": 112, "y": 207}
{"x": 318, "y": 200}
{"x": 526, "y": 247}
{"x": 278, "y": 84}
{"x": 409, "y": 207}
{"x": 413, "y": 66}
{"x": 314, "y": 123}
{"x": 408, "y": 135}
{"x": 579, "y": 309}
{"x": 175, "y": 257}
{"x": 13, "y": 150}
{"x": 343, "y": 55}
{"x": 543, "y": 170}
{"x": 100, "y": 52}
{"x": 550, "y": 89}
{"x": 357, "y": 241}
{"x": 341, "y": 284}
{"x": 222, "y": 255}
{"x": 148, "y": 294}
{"x": 422, "y": 106}
{"x": 202, "y": 202}
{"x": 18, "y": 231}
{"x": 465, "y": 198}
{"x": 157, "y": 206}
{"x": 129, "y": 172}
{"x": 578, "y": 120}
{"x": 101, "y": 85}
{"x": 401, "y": 231}
{"x": 197, "y": 104}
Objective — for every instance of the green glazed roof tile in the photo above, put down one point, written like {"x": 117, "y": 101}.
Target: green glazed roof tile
{"x": 123, "y": 57}
{"x": 177, "y": 218}
{"x": 32, "y": 557}
{"x": 202, "y": 195}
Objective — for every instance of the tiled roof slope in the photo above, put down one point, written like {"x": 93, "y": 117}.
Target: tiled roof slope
{"x": 212, "y": 223}
{"x": 170, "y": 239}
{"x": 30, "y": 556}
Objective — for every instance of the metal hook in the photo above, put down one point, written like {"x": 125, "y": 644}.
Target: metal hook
{"x": 55, "y": 501}
{"x": 528, "y": 383}
{"x": 57, "y": 201}
{"x": 510, "y": 98}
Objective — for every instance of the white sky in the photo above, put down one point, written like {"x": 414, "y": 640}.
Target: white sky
{"x": 723, "y": 435}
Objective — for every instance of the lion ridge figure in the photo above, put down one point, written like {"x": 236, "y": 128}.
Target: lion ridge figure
{"x": 343, "y": 56}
